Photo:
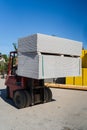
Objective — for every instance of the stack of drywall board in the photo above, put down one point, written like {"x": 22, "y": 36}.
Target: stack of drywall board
{"x": 49, "y": 44}
{"x": 42, "y": 56}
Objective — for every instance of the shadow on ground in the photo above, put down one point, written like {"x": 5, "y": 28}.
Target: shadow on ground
{"x": 3, "y": 96}
{"x": 8, "y": 100}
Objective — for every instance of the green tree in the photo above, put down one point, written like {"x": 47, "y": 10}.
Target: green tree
{"x": 5, "y": 57}
{"x": 4, "y": 65}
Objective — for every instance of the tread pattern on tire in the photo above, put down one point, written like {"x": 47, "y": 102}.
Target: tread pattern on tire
{"x": 28, "y": 98}
{"x": 48, "y": 94}
{"x": 19, "y": 99}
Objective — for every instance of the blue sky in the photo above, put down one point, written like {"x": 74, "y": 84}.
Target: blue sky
{"x": 63, "y": 18}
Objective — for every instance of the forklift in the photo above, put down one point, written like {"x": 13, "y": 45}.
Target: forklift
{"x": 22, "y": 90}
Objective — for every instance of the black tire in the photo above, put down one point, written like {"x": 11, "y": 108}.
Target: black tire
{"x": 47, "y": 94}
{"x": 20, "y": 99}
{"x": 28, "y": 98}
{"x": 7, "y": 92}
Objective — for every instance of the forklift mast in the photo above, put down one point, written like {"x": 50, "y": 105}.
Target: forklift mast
{"x": 12, "y": 62}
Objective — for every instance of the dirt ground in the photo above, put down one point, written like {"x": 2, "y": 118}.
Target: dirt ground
{"x": 68, "y": 111}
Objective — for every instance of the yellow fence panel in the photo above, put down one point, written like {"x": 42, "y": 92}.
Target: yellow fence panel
{"x": 78, "y": 80}
{"x": 70, "y": 80}
{"x": 84, "y": 58}
{"x": 84, "y": 76}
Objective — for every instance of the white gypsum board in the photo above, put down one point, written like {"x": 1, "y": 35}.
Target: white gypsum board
{"x": 57, "y": 66}
{"x": 27, "y": 44}
{"x": 28, "y": 65}
{"x": 49, "y": 44}
{"x": 47, "y": 66}
{"x": 52, "y": 44}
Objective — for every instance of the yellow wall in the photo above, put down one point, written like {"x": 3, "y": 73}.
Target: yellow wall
{"x": 84, "y": 76}
{"x": 70, "y": 80}
{"x": 79, "y": 80}
{"x": 84, "y": 58}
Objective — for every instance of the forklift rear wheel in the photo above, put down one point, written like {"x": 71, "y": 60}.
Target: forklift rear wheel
{"x": 28, "y": 98}
{"x": 48, "y": 94}
{"x": 20, "y": 99}
{"x": 45, "y": 95}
